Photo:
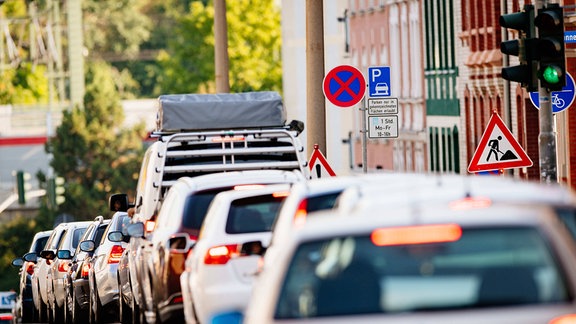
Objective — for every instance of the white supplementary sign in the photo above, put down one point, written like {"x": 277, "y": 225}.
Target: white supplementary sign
{"x": 383, "y": 126}
{"x": 382, "y": 106}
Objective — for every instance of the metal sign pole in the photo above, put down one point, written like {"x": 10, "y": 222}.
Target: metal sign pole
{"x": 364, "y": 131}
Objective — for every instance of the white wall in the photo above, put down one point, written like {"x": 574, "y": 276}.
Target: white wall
{"x": 339, "y": 121}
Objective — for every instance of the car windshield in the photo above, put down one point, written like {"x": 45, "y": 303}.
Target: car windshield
{"x": 484, "y": 267}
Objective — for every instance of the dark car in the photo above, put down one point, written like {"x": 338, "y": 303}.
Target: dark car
{"x": 25, "y": 305}
{"x": 76, "y": 281}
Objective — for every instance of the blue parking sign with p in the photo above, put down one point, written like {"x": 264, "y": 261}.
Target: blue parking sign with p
{"x": 379, "y": 81}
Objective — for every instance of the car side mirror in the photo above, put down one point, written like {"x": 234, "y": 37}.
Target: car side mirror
{"x": 64, "y": 254}
{"x": 136, "y": 229}
{"x": 118, "y": 202}
{"x": 48, "y": 254}
{"x": 116, "y": 236}
{"x": 18, "y": 262}
{"x": 87, "y": 246}
{"x": 252, "y": 248}
{"x": 180, "y": 243}
{"x": 30, "y": 257}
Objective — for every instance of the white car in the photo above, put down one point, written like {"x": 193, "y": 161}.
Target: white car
{"x": 221, "y": 267}
{"x": 305, "y": 198}
{"x": 492, "y": 263}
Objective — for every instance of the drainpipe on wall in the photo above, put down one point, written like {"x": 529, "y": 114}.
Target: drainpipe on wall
{"x": 506, "y": 62}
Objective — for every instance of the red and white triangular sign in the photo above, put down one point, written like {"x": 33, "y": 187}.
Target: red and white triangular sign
{"x": 498, "y": 149}
{"x": 319, "y": 167}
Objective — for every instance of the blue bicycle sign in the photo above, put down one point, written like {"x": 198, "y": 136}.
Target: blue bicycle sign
{"x": 561, "y": 100}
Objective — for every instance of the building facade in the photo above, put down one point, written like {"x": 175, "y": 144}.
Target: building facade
{"x": 389, "y": 33}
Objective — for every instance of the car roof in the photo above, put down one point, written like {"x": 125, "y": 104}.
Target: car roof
{"x": 434, "y": 188}
{"x": 224, "y": 179}
{"x": 252, "y": 192}
{"x": 327, "y": 223}
{"x": 41, "y": 234}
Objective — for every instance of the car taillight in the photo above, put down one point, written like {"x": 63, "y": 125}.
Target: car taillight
{"x": 421, "y": 234}
{"x": 85, "y": 270}
{"x": 115, "y": 254}
{"x": 221, "y": 254}
{"x": 301, "y": 213}
{"x": 565, "y": 319}
{"x": 63, "y": 266}
{"x": 6, "y": 317}
{"x": 30, "y": 268}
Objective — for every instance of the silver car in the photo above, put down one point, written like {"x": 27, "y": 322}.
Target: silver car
{"x": 40, "y": 273}
{"x": 103, "y": 273}
{"x": 55, "y": 282}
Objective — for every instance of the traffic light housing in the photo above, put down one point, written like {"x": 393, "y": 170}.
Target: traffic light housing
{"x": 22, "y": 185}
{"x": 56, "y": 191}
{"x": 524, "y": 47}
{"x": 550, "y": 24}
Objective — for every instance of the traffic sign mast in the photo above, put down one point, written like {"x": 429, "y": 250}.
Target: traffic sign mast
{"x": 542, "y": 66}
{"x": 552, "y": 75}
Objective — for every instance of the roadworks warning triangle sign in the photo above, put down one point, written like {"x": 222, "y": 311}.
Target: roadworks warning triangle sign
{"x": 498, "y": 149}
{"x": 319, "y": 167}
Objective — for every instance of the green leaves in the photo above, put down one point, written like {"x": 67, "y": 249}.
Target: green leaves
{"x": 254, "y": 48}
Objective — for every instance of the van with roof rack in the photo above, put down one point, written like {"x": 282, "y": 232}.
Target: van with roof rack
{"x": 199, "y": 134}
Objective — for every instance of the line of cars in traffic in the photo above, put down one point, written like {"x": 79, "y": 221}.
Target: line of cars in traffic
{"x": 398, "y": 248}
{"x": 69, "y": 275}
{"x": 226, "y": 226}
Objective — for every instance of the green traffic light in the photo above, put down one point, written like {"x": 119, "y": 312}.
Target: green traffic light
{"x": 551, "y": 74}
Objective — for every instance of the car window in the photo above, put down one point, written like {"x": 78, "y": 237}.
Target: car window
{"x": 54, "y": 240}
{"x": 253, "y": 214}
{"x": 568, "y": 218}
{"x": 196, "y": 207}
{"x": 120, "y": 224}
{"x": 483, "y": 267}
{"x": 100, "y": 233}
{"x": 78, "y": 232}
{"x": 62, "y": 240}
{"x": 322, "y": 202}
{"x": 40, "y": 244}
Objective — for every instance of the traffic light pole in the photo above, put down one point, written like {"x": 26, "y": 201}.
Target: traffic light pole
{"x": 547, "y": 137}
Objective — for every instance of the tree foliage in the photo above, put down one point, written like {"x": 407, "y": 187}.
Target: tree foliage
{"x": 92, "y": 151}
{"x": 115, "y": 27}
{"x": 26, "y": 85}
{"x": 15, "y": 239}
{"x": 254, "y": 48}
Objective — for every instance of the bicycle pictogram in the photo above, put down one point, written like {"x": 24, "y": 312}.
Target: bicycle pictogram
{"x": 557, "y": 101}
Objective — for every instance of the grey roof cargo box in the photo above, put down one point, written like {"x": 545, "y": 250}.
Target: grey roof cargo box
{"x": 180, "y": 112}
